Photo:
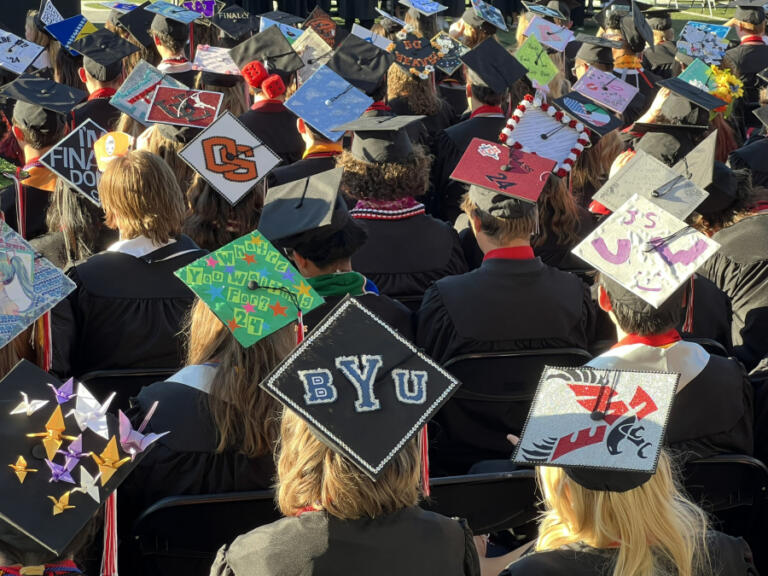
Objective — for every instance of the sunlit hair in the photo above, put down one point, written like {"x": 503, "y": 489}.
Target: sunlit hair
{"x": 559, "y": 85}
{"x": 385, "y": 180}
{"x": 66, "y": 67}
{"x": 658, "y": 529}
{"x": 309, "y": 473}
{"x": 592, "y": 167}
{"x": 418, "y": 94}
{"x": 522, "y": 25}
{"x": 725, "y": 139}
{"x": 502, "y": 230}
{"x": 213, "y": 222}
{"x": 752, "y": 28}
{"x": 421, "y": 24}
{"x": 234, "y": 99}
{"x": 146, "y": 53}
{"x": 469, "y": 35}
{"x": 79, "y": 219}
{"x": 558, "y": 214}
{"x": 129, "y": 125}
{"x": 140, "y": 197}
{"x": 34, "y": 34}
{"x": 168, "y": 149}
{"x": 246, "y": 417}
{"x": 660, "y": 36}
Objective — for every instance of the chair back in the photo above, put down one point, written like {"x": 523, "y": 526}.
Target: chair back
{"x": 126, "y": 382}
{"x": 710, "y": 345}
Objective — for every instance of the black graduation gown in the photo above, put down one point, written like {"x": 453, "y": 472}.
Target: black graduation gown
{"x": 752, "y": 156}
{"x": 302, "y": 169}
{"x": 275, "y": 125}
{"x": 126, "y": 312}
{"x": 730, "y": 556}
{"x": 52, "y": 246}
{"x": 188, "y": 77}
{"x": 361, "y": 9}
{"x": 749, "y": 59}
{"x": 660, "y": 59}
{"x": 740, "y": 269}
{"x": 450, "y": 144}
{"x": 404, "y": 257}
{"x": 432, "y": 124}
{"x": 455, "y": 93}
{"x": 37, "y": 202}
{"x": 712, "y": 313}
{"x": 99, "y": 110}
{"x": 409, "y": 542}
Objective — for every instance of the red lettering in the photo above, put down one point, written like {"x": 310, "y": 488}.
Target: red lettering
{"x": 584, "y": 438}
{"x": 642, "y": 398}
{"x": 144, "y": 95}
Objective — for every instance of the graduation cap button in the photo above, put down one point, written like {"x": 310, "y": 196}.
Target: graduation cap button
{"x": 253, "y": 285}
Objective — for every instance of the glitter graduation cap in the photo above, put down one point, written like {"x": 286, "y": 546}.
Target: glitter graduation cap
{"x": 604, "y": 427}
{"x": 251, "y": 287}
{"x": 364, "y": 389}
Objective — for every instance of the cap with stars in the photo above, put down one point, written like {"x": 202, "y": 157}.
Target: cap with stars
{"x": 492, "y": 66}
{"x": 251, "y": 287}
{"x": 41, "y": 104}
{"x": 364, "y": 390}
{"x": 103, "y": 54}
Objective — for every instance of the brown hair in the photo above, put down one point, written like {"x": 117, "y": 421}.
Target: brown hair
{"x": 385, "y": 180}
{"x": 234, "y": 98}
{"x": 168, "y": 149}
{"x": 311, "y": 474}
{"x": 501, "y": 230}
{"x": 147, "y": 53}
{"x": 141, "y": 197}
{"x": 725, "y": 139}
{"x": 245, "y": 416}
{"x": 129, "y": 125}
{"x": 66, "y": 67}
{"x": 592, "y": 167}
{"x": 557, "y": 213}
{"x": 38, "y": 36}
{"x": 418, "y": 94}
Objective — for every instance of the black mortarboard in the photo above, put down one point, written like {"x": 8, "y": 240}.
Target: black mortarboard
{"x": 763, "y": 75}
{"x": 41, "y": 103}
{"x": 659, "y": 17}
{"x": 380, "y": 138}
{"x": 762, "y": 115}
{"x": 179, "y": 31}
{"x": 595, "y": 52}
{"x": 103, "y": 53}
{"x": 668, "y": 146}
{"x": 138, "y": 22}
{"x": 271, "y": 49}
{"x": 569, "y": 401}
{"x": 723, "y": 191}
{"x": 546, "y": 9}
{"x": 598, "y": 41}
{"x": 610, "y": 16}
{"x": 492, "y": 66}
{"x": 180, "y": 134}
{"x": 361, "y": 63}
{"x": 696, "y": 165}
{"x": 560, "y": 6}
{"x": 692, "y": 93}
{"x": 362, "y": 388}
{"x": 750, "y": 11}
{"x": 233, "y": 20}
{"x": 208, "y": 78}
{"x": 303, "y": 205}
{"x": 635, "y": 30}
{"x": 282, "y": 17}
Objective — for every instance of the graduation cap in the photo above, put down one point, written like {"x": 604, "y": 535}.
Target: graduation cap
{"x": 504, "y": 182}
{"x": 233, "y": 20}
{"x": 177, "y": 133}
{"x": 299, "y": 206}
{"x": 251, "y": 287}
{"x": 166, "y": 23}
{"x": 489, "y": 13}
{"x": 635, "y": 30}
{"x": 669, "y": 145}
{"x": 595, "y": 53}
{"x": 415, "y": 54}
{"x": 692, "y": 93}
{"x": 271, "y": 49}
{"x": 610, "y": 16}
{"x": 492, "y": 66}
{"x": 598, "y": 41}
{"x": 103, "y": 53}
{"x": 364, "y": 390}
{"x": 361, "y": 63}
{"x": 451, "y": 49}
{"x": 426, "y": 7}
{"x": 41, "y": 103}
{"x": 282, "y": 18}
{"x": 659, "y": 17}
{"x": 697, "y": 165}
{"x": 545, "y": 10}
{"x": 599, "y": 120}
{"x": 561, "y": 7}
{"x": 749, "y": 11}
{"x": 69, "y": 30}
{"x": 724, "y": 191}
{"x": 380, "y": 138}
{"x": 762, "y": 115}
{"x": 321, "y": 22}
{"x": 619, "y": 436}
{"x": 138, "y": 22}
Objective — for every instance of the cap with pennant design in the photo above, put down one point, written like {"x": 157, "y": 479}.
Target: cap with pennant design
{"x": 251, "y": 287}
{"x": 364, "y": 390}
{"x": 138, "y": 22}
{"x": 69, "y": 30}
{"x": 361, "y": 63}
{"x": 381, "y": 138}
{"x": 103, "y": 54}
{"x": 604, "y": 427}
{"x": 41, "y": 104}
{"x": 492, "y": 66}
{"x": 599, "y": 120}
{"x": 272, "y": 50}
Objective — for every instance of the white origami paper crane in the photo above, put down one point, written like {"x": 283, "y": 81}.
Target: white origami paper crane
{"x": 89, "y": 413}
{"x": 27, "y": 406}
{"x": 88, "y": 484}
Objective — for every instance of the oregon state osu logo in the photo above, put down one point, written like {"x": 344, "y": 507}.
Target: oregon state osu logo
{"x": 232, "y": 160}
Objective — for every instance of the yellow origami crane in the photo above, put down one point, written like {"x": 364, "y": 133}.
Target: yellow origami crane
{"x": 61, "y": 504}
{"x": 109, "y": 460}
{"x": 53, "y": 435}
{"x": 20, "y": 469}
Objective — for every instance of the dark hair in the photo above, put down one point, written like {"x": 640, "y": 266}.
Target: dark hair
{"x": 39, "y": 140}
{"x": 380, "y": 92}
{"x": 385, "y": 180}
{"x": 169, "y": 42}
{"x": 486, "y": 96}
{"x": 323, "y": 248}
{"x": 649, "y": 320}
{"x": 65, "y": 68}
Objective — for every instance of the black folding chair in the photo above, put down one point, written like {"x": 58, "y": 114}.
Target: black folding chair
{"x": 126, "y": 382}
{"x": 412, "y": 302}
{"x": 710, "y": 345}
{"x": 493, "y": 400}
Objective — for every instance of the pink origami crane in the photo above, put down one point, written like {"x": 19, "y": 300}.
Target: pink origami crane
{"x": 133, "y": 441}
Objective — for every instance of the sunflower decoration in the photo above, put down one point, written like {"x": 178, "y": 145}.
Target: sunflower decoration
{"x": 727, "y": 87}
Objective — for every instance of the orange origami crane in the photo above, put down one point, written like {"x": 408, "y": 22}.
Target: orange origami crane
{"x": 53, "y": 435}
{"x": 109, "y": 460}
{"x": 61, "y": 504}
{"x": 20, "y": 469}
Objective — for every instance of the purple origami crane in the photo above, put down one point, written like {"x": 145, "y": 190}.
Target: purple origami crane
{"x": 73, "y": 452}
{"x": 64, "y": 393}
{"x": 61, "y": 473}
{"x": 133, "y": 441}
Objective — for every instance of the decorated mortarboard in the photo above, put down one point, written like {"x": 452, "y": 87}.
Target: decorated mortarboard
{"x": 363, "y": 389}
{"x": 749, "y": 11}
{"x": 380, "y": 138}
{"x": 378, "y": 40}
{"x": 544, "y": 10}
{"x": 233, "y": 20}
{"x": 555, "y": 36}
{"x": 503, "y": 181}
{"x": 327, "y": 100}
{"x": 103, "y": 53}
{"x": 659, "y": 17}
{"x": 271, "y": 49}
{"x": 451, "y": 49}
{"x": 69, "y": 30}
{"x": 699, "y": 74}
{"x": 606, "y": 89}
{"x": 533, "y": 55}
{"x": 229, "y": 157}
{"x": 698, "y": 164}
{"x": 692, "y": 93}
{"x": 321, "y": 22}
{"x": 313, "y": 51}
{"x": 604, "y": 427}
{"x": 651, "y": 179}
{"x": 489, "y": 13}
{"x": 206, "y": 8}
{"x": 677, "y": 114}
{"x": 290, "y": 33}
{"x": 281, "y": 17}
{"x": 389, "y": 16}
{"x": 635, "y": 29}
{"x": 598, "y": 41}
{"x": 110, "y": 146}
{"x": 251, "y": 287}
{"x": 303, "y": 205}
{"x": 415, "y": 54}
{"x": 135, "y": 94}
{"x": 425, "y": 7}
{"x": 17, "y": 54}
{"x": 362, "y": 64}
{"x": 73, "y": 159}
{"x": 48, "y": 14}
{"x": 561, "y": 6}
{"x": 138, "y": 22}
{"x": 40, "y": 103}
{"x": 646, "y": 249}
{"x": 215, "y": 59}
{"x": 492, "y": 66}
{"x": 537, "y": 127}
{"x": 595, "y": 54}
{"x": 762, "y": 115}
{"x": 703, "y": 41}
{"x": 170, "y": 12}
{"x": 119, "y": 7}
{"x": 58, "y": 473}
{"x": 599, "y": 120}
{"x": 8, "y": 174}
{"x": 184, "y": 107}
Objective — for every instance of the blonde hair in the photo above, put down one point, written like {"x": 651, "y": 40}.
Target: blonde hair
{"x": 659, "y": 531}
{"x": 168, "y": 149}
{"x": 522, "y": 26}
{"x": 246, "y": 417}
{"x": 660, "y": 36}
{"x": 140, "y": 197}
{"x": 417, "y": 93}
{"x": 129, "y": 125}
{"x": 311, "y": 474}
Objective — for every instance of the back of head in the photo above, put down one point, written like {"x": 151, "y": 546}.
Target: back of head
{"x": 384, "y": 181}
{"x": 78, "y": 218}
{"x": 502, "y": 218}
{"x": 41, "y": 128}
{"x": 171, "y": 34}
{"x": 636, "y": 316}
{"x": 417, "y": 93}
{"x": 325, "y": 246}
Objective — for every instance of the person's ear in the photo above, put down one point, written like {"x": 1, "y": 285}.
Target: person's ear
{"x": 469, "y": 91}
{"x": 156, "y": 38}
{"x": 301, "y": 262}
{"x": 474, "y": 222}
{"x": 81, "y": 75}
{"x": 300, "y": 126}
{"x": 18, "y": 133}
{"x": 603, "y": 301}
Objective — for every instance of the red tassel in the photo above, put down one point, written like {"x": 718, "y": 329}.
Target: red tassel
{"x": 300, "y": 327}
{"x": 191, "y": 40}
{"x": 47, "y": 342}
{"x": 424, "y": 441}
{"x": 109, "y": 557}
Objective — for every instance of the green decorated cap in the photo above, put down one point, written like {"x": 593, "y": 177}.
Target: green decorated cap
{"x": 251, "y": 287}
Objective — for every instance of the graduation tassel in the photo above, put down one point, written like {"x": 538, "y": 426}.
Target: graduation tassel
{"x": 109, "y": 556}
{"x": 21, "y": 220}
{"x": 191, "y": 40}
{"x": 688, "y": 324}
{"x": 47, "y": 341}
{"x": 424, "y": 448}
{"x": 300, "y": 327}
